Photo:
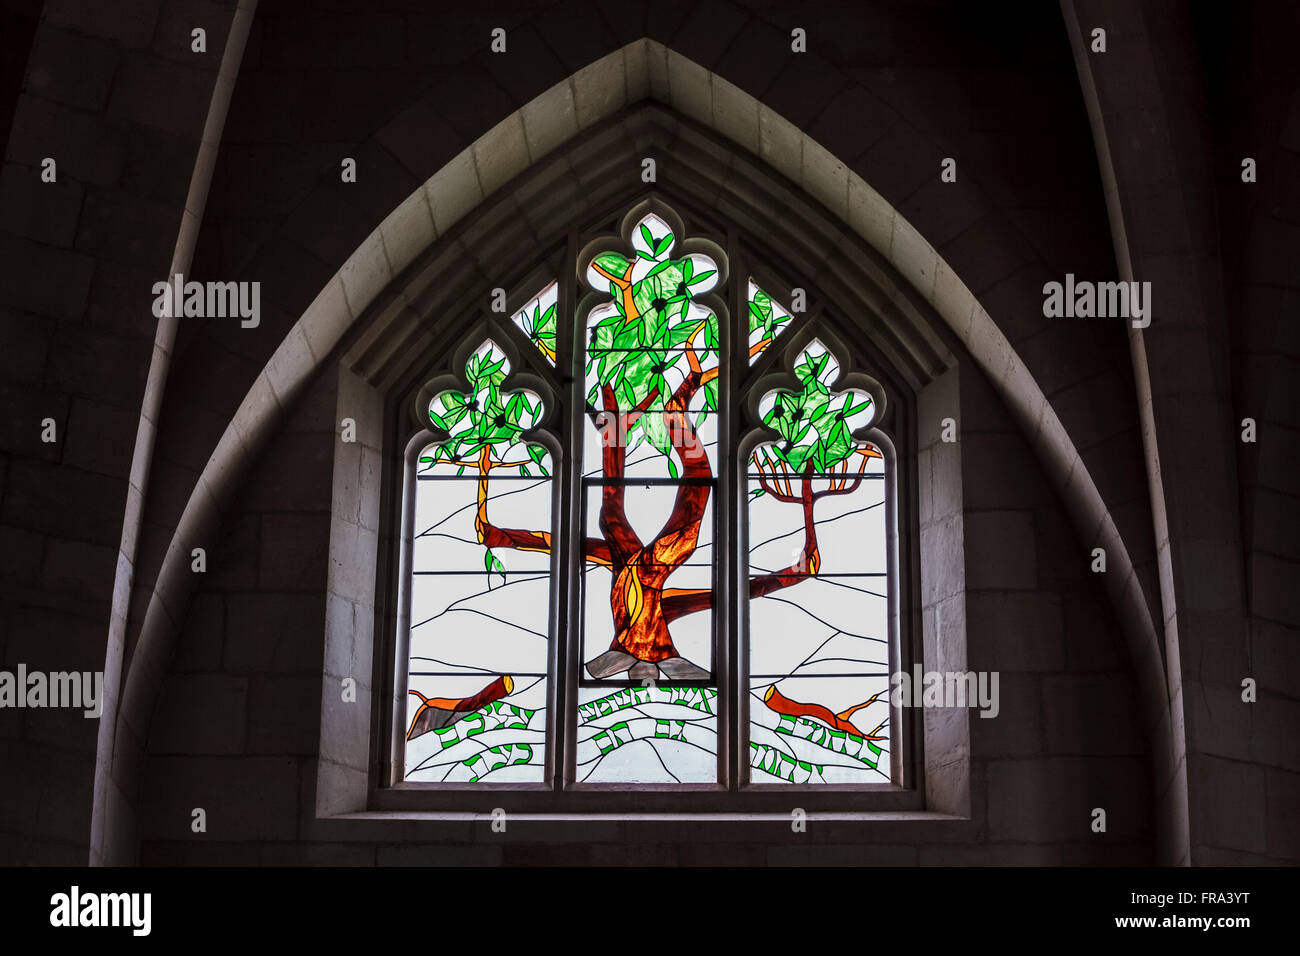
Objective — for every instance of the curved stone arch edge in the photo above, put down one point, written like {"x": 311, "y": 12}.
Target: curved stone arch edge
{"x": 641, "y": 69}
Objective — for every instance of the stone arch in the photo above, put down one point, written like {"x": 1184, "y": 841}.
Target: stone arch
{"x": 643, "y": 70}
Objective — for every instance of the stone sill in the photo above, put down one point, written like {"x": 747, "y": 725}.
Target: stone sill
{"x": 417, "y": 816}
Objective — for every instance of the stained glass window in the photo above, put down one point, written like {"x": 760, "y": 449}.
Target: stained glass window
{"x": 662, "y": 405}
{"x": 818, "y": 586}
{"x": 649, "y": 477}
{"x": 481, "y": 569}
{"x": 537, "y": 321}
{"x": 767, "y": 320}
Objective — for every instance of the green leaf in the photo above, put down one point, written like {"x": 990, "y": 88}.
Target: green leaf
{"x": 656, "y": 432}
{"x": 648, "y": 236}
{"x": 612, "y": 263}
{"x": 626, "y": 393}
{"x": 672, "y": 468}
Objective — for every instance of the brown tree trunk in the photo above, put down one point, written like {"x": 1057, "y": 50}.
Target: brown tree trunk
{"x": 636, "y": 600}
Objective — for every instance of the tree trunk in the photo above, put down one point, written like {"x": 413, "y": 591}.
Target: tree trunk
{"x": 636, "y": 600}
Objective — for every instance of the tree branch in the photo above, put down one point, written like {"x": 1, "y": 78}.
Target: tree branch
{"x": 840, "y": 486}
{"x": 679, "y": 602}
{"x": 781, "y": 704}
{"x": 679, "y": 535}
{"x": 623, "y": 542}
{"x": 773, "y": 489}
{"x": 809, "y": 558}
{"x": 489, "y": 535}
{"x": 596, "y": 550}
{"x": 434, "y": 713}
{"x": 624, "y": 285}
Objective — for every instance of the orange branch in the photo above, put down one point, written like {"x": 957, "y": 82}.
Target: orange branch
{"x": 489, "y": 535}
{"x": 617, "y": 280}
{"x": 684, "y": 592}
{"x": 435, "y": 713}
{"x": 624, "y": 284}
{"x": 778, "y": 702}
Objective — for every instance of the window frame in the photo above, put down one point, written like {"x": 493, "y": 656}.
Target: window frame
{"x": 742, "y": 384}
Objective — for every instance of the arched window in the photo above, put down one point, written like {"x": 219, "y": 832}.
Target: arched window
{"x": 819, "y": 582}
{"x": 480, "y": 608}
{"x": 655, "y": 549}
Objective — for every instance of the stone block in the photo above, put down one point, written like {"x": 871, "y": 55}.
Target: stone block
{"x": 249, "y": 798}
{"x": 130, "y": 22}
{"x": 44, "y": 212}
{"x": 1017, "y": 730}
{"x": 1092, "y": 714}
{"x": 293, "y": 551}
{"x": 73, "y": 70}
{"x": 274, "y": 633}
{"x": 200, "y": 714}
{"x": 1051, "y": 800}
{"x": 101, "y": 438}
{"x": 57, "y": 500}
{"x": 284, "y": 714}
{"x": 1227, "y": 804}
{"x": 1016, "y": 631}
{"x": 1000, "y": 550}
{"x": 45, "y": 280}
{"x": 80, "y": 571}
{"x": 576, "y": 34}
{"x": 163, "y": 96}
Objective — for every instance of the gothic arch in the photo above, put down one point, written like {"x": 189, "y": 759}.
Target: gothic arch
{"x": 902, "y": 281}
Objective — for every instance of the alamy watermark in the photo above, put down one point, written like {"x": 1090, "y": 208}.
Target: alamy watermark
{"x": 1098, "y": 300}
{"x": 946, "y": 689}
{"x": 76, "y": 909}
{"x": 77, "y": 690}
{"x": 212, "y": 300}
{"x": 615, "y": 429}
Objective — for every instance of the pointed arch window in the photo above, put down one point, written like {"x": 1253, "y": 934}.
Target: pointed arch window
{"x": 654, "y": 549}
{"x": 478, "y": 659}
